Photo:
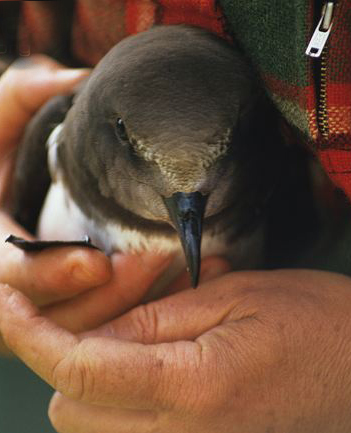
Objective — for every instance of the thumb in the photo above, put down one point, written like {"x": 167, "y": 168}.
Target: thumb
{"x": 182, "y": 316}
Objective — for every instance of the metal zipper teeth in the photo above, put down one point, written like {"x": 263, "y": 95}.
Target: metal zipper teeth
{"x": 318, "y": 47}
{"x": 322, "y": 116}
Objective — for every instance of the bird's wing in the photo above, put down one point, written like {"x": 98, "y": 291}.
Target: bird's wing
{"x": 31, "y": 176}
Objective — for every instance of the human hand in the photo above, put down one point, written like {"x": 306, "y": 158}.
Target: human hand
{"x": 24, "y": 87}
{"x": 248, "y": 352}
{"x": 54, "y": 275}
{"x": 78, "y": 288}
{"x": 52, "y": 278}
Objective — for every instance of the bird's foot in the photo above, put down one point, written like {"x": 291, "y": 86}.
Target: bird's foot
{"x": 36, "y": 246}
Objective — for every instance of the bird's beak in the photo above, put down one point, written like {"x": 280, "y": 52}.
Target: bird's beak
{"x": 186, "y": 211}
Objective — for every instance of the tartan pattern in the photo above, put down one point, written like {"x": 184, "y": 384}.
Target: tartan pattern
{"x": 335, "y": 153}
{"x": 199, "y": 13}
{"x": 273, "y": 36}
{"x": 289, "y": 75}
{"x": 276, "y": 43}
{"x": 97, "y": 25}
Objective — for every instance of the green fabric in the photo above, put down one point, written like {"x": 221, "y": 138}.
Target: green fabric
{"x": 293, "y": 113}
{"x": 275, "y": 35}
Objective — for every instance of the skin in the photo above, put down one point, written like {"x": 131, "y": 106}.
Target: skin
{"x": 246, "y": 352}
{"x": 79, "y": 273}
{"x": 76, "y": 282}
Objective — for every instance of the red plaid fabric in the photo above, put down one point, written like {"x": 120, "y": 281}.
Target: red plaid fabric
{"x": 335, "y": 151}
{"x": 96, "y": 25}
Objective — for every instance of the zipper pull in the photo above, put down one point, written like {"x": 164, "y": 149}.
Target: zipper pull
{"x": 321, "y": 34}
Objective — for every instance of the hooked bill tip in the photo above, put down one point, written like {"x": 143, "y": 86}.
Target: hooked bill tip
{"x": 186, "y": 211}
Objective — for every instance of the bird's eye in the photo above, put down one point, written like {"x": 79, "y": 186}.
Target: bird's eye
{"x": 121, "y": 129}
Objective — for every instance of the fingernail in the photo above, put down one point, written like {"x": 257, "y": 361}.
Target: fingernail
{"x": 95, "y": 275}
{"x": 24, "y": 63}
{"x": 72, "y": 74}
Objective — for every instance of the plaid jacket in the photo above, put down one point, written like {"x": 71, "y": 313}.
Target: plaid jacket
{"x": 313, "y": 95}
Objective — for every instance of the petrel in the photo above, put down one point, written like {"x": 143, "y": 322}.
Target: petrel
{"x": 171, "y": 146}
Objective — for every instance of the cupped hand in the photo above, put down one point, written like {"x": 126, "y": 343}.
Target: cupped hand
{"x": 63, "y": 281}
{"x": 53, "y": 275}
{"x": 248, "y": 352}
{"x": 77, "y": 288}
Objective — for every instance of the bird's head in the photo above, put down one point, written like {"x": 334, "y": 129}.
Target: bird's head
{"x": 155, "y": 136}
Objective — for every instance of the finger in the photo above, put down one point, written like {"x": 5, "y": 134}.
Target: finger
{"x": 211, "y": 267}
{"x": 184, "y": 315}
{"x": 71, "y": 416}
{"x": 97, "y": 370}
{"x": 25, "y": 87}
{"x": 233, "y": 297}
{"x": 57, "y": 274}
{"x": 7, "y": 164}
{"x": 53, "y": 274}
{"x": 132, "y": 277}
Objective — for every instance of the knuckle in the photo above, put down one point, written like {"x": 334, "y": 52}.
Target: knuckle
{"x": 60, "y": 374}
{"x": 75, "y": 375}
{"x": 83, "y": 371}
{"x": 144, "y": 322}
{"x": 67, "y": 377}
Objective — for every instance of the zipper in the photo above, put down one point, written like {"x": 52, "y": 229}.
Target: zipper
{"x": 322, "y": 114}
{"x": 322, "y": 31}
{"x": 317, "y": 48}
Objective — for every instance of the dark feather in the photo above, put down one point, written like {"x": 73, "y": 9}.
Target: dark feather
{"x": 31, "y": 177}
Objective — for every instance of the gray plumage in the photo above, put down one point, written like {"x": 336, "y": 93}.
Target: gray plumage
{"x": 180, "y": 93}
{"x": 171, "y": 110}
